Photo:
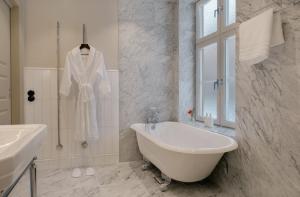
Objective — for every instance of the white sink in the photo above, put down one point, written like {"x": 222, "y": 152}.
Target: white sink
{"x": 19, "y": 144}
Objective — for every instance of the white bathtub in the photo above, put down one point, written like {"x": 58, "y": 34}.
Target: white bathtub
{"x": 182, "y": 152}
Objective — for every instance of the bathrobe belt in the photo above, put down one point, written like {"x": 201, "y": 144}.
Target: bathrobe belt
{"x": 86, "y": 92}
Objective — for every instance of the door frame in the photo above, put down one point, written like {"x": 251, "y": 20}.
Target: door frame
{"x": 16, "y": 60}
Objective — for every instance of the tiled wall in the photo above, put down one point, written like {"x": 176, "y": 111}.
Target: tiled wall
{"x": 44, "y": 110}
{"x": 186, "y": 57}
{"x": 267, "y": 162}
{"x": 148, "y": 65}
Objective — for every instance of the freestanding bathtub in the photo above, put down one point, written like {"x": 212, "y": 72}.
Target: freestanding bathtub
{"x": 182, "y": 152}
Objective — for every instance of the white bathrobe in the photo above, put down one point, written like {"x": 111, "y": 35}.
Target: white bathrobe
{"x": 91, "y": 78}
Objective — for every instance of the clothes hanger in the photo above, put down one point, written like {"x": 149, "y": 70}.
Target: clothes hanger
{"x": 84, "y": 45}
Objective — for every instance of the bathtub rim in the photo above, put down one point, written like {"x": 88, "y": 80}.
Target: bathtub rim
{"x": 219, "y": 150}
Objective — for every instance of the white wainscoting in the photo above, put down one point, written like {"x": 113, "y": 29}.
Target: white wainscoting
{"x": 44, "y": 110}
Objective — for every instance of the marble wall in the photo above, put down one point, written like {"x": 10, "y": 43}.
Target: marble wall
{"x": 148, "y": 65}
{"x": 267, "y": 162}
{"x": 187, "y": 57}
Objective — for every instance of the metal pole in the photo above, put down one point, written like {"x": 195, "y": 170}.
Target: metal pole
{"x": 84, "y": 144}
{"x": 83, "y": 34}
{"x": 33, "y": 183}
{"x": 33, "y": 186}
{"x": 59, "y": 146}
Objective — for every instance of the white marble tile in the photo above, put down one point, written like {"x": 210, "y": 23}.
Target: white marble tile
{"x": 76, "y": 192}
{"x": 186, "y": 57}
{"x": 127, "y": 189}
{"x": 268, "y": 113}
{"x": 115, "y": 174}
{"x": 147, "y": 60}
{"x": 122, "y": 180}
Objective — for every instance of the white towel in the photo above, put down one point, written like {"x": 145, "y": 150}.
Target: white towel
{"x": 277, "y": 32}
{"x": 257, "y": 35}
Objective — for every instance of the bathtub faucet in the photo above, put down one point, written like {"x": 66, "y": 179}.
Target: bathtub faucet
{"x": 152, "y": 117}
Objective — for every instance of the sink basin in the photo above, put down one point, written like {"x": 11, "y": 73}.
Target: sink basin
{"x": 19, "y": 144}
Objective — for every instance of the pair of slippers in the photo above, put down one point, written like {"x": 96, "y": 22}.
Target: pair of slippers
{"x": 88, "y": 172}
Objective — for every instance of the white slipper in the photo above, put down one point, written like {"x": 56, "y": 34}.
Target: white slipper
{"x": 76, "y": 173}
{"x": 90, "y": 172}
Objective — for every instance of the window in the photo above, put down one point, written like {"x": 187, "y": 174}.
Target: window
{"x": 216, "y": 60}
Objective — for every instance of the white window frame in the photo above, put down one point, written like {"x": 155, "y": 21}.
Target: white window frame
{"x": 223, "y": 32}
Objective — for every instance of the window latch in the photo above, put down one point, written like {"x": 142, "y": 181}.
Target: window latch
{"x": 218, "y": 11}
{"x": 218, "y": 83}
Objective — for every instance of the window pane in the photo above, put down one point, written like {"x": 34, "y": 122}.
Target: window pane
{"x": 230, "y": 12}
{"x": 207, "y": 64}
{"x": 230, "y": 78}
{"x": 207, "y": 18}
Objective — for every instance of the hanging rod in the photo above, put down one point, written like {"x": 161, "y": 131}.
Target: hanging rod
{"x": 83, "y": 34}
{"x": 293, "y": 1}
{"x": 85, "y": 143}
{"x": 274, "y": 5}
{"x": 296, "y": 2}
{"x": 277, "y": 7}
{"x": 59, "y": 145}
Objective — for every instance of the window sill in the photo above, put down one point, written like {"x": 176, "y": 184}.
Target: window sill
{"x": 216, "y": 129}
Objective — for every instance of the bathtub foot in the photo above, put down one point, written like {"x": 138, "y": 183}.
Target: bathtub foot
{"x": 166, "y": 182}
{"x": 146, "y": 165}
{"x": 164, "y": 187}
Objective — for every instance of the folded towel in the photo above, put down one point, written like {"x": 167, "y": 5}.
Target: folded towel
{"x": 257, "y": 35}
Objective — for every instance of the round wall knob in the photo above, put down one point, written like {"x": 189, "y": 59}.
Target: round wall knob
{"x": 31, "y": 96}
{"x": 30, "y": 93}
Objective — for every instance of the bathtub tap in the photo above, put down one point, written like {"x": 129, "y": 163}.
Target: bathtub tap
{"x": 152, "y": 118}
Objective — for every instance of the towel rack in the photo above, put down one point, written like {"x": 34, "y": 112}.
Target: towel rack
{"x": 85, "y": 45}
{"x": 59, "y": 145}
{"x": 274, "y": 5}
{"x": 296, "y": 2}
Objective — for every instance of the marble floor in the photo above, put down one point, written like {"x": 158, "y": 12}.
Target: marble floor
{"x": 121, "y": 180}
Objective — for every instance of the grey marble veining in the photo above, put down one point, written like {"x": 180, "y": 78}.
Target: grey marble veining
{"x": 187, "y": 57}
{"x": 267, "y": 162}
{"x": 121, "y": 180}
{"x": 148, "y": 65}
